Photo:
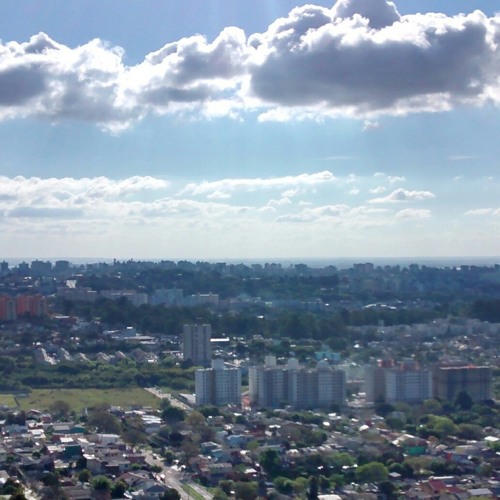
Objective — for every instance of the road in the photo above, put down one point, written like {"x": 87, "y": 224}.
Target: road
{"x": 174, "y": 478}
{"x": 156, "y": 391}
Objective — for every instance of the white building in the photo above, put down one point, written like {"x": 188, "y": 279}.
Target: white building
{"x": 408, "y": 383}
{"x": 273, "y": 385}
{"x": 218, "y": 385}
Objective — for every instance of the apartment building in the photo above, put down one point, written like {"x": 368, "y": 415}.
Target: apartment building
{"x": 218, "y": 385}
{"x": 272, "y": 385}
{"x": 196, "y": 345}
{"x": 476, "y": 381}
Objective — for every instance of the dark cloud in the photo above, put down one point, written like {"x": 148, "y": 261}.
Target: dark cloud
{"x": 19, "y": 85}
{"x": 373, "y": 70}
{"x": 359, "y": 58}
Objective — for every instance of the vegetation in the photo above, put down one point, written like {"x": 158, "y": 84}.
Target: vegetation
{"x": 78, "y": 399}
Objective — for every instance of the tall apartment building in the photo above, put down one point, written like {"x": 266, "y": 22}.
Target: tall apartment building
{"x": 375, "y": 388}
{"x": 218, "y": 385}
{"x": 7, "y": 308}
{"x": 266, "y": 384}
{"x": 22, "y": 305}
{"x": 273, "y": 385}
{"x": 196, "y": 344}
{"x": 31, "y": 305}
{"x": 476, "y": 381}
{"x": 406, "y": 382}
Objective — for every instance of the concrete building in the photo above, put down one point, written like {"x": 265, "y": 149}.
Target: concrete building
{"x": 218, "y": 385}
{"x": 273, "y": 385}
{"x": 196, "y": 345}
{"x": 476, "y": 381}
{"x": 171, "y": 297}
{"x": 408, "y": 383}
{"x": 375, "y": 388}
{"x": 7, "y": 308}
{"x": 266, "y": 384}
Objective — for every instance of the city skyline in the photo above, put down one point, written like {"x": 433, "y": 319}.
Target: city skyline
{"x": 267, "y": 130}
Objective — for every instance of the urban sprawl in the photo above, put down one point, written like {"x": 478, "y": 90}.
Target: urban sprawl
{"x": 166, "y": 380}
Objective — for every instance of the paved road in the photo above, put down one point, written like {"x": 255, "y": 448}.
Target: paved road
{"x": 155, "y": 391}
{"x": 174, "y": 478}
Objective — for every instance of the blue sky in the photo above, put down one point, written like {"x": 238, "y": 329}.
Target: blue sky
{"x": 263, "y": 129}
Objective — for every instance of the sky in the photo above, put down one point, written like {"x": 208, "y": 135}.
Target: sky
{"x": 268, "y": 129}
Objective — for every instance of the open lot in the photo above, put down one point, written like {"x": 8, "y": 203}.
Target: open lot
{"x": 7, "y": 400}
{"x": 78, "y": 399}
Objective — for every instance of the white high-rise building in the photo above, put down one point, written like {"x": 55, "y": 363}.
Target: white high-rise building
{"x": 406, "y": 382}
{"x": 274, "y": 385}
{"x": 196, "y": 344}
{"x": 218, "y": 385}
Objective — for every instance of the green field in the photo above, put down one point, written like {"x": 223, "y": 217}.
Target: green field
{"x": 78, "y": 399}
{"x": 7, "y": 400}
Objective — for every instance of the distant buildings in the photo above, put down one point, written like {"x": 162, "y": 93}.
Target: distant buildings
{"x": 409, "y": 383}
{"x": 273, "y": 385}
{"x": 476, "y": 381}
{"x": 196, "y": 344}
{"x": 406, "y": 382}
{"x": 11, "y": 308}
{"x": 218, "y": 385}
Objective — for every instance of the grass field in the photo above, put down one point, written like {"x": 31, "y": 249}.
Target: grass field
{"x": 192, "y": 492}
{"x": 41, "y": 399}
{"x": 7, "y": 400}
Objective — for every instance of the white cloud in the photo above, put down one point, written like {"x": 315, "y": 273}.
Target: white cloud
{"x": 370, "y": 125}
{"x": 413, "y": 213}
{"x": 394, "y": 179}
{"x": 228, "y": 186}
{"x": 360, "y": 58}
{"x": 339, "y": 214}
{"x": 69, "y": 197}
{"x": 378, "y": 190}
{"x": 462, "y": 157}
{"x": 483, "y": 211}
{"x": 279, "y": 203}
{"x": 400, "y": 195}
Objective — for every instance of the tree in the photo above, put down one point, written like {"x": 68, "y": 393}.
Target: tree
{"x": 313, "y": 488}
{"x": 84, "y": 476}
{"x": 171, "y": 494}
{"x": 299, "y": 486}
{"x": 103, "y": 421}
{"x": 10, "y": 487}
{"x": 101, "y": 483}
{"x": 271, "y": 463}
{"x": 283, "y": 485}
{"x": 60, "y": 408}
{"x": 388, "y": 489}
{"x": 172, "y": 415}
{"x": 372, "y": 472}
{"x": 219, "y": 494}
{"x": 118, "y": 489}
{"x": 246, "y": 490}
{"x": 463, "y": 401}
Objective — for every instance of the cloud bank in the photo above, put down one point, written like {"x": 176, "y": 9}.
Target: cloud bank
{"x": 360, "y": 58}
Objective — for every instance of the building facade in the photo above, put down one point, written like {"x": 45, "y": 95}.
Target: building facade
{"x": 196, "y": 345}
{"x": 405, "y": 382}
{"x": 272, "y": 385}
{"x": 476, "y": 381}
{"x": 218, "y": 385}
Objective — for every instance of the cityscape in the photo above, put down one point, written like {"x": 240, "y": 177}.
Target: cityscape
{"x": 141, "y": 380}
{"x": 249, "y": 250}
